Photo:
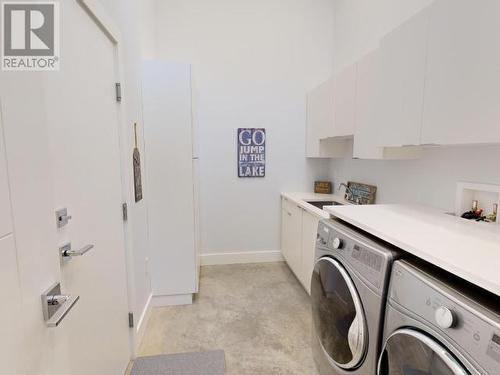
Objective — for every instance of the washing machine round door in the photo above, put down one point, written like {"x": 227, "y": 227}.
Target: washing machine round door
{"x": 339, "y": 320}
{"x": 409, "y": 351}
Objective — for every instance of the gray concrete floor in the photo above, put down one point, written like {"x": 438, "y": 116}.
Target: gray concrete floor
{"x": 258, "y": 314}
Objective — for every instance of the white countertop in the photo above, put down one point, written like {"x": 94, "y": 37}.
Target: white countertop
{"x": 301, "y": 199}
{"x": 470, "y": 250}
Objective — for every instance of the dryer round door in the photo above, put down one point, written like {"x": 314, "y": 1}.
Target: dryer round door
{"x": 409, "y": 351}
{"x": 339, "y": 320}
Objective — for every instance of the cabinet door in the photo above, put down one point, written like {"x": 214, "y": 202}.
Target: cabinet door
{"x": 462, "y": 93}
{"x": 296, "y": 240}
{"x": 169, "y": 175}
{"x": 285, "y": 238}
{"x": 320, "y": 116}
{"x": 367, "y": 126}
{"x": 309, "y": 231}
{"x": 195, "y": 121}
{"x": 292, "y": 236}
{"x": 345, "y": 102}
{"x": 196, "y": 206}
{"x": 401, "y": 82}
{"x": 286, "y": 227}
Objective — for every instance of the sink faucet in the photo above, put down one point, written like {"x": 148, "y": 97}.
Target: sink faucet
{"x": 348, "y": 191}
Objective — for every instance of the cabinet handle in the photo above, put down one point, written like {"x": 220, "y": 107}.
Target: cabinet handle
{"x": 289, "y": 213}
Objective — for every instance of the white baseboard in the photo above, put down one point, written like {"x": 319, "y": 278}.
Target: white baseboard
{"x": 175, "y": 300}
{"x": 241, "y": 258}
{"x": 142, "y": 323}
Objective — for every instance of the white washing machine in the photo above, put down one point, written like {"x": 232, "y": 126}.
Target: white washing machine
{"x": 348, "y": 295}
{"x": 437, "y": 324}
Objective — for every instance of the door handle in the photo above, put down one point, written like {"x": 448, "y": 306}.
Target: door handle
{"x": 67, "y": 252}
{"x": 56, "y": 305}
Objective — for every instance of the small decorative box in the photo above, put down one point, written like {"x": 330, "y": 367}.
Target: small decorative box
{"x": 322, "y": 187}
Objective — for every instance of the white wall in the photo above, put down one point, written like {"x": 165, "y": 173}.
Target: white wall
{"x": 360, "y": 24}
{"x": 253, "y": 63}
{"x": 432, "y": 180}
{"x": 147, "y": 25}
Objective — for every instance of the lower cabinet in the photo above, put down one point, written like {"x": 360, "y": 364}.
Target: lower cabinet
{"x": 309, "y": 231}
{"x": 298, "y": 239}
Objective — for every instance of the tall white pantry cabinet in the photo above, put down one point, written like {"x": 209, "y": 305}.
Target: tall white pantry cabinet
{"x": 171, "y": 160}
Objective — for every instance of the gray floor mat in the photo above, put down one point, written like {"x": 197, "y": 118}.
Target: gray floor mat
{"x": 201, "y": 363}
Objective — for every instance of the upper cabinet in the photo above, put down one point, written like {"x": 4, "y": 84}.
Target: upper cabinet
{"x": 462, "y": 92}
{"x": 401, "y": 81}
{"x": 331, "y": 115}
{"x": 434, "y": 80}
{"x": 344, "y": 103}
{"x": 367, "y": 126}
{"x": 320, "y": 115}
{"x": 369, "y": 119}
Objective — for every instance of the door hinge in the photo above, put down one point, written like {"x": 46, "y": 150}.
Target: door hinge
{"x": 125, "y": 211}
{"x": 131, "y": 320}
{"x": 118, "y": 87}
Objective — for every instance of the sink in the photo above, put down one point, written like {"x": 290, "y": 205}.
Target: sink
{"x": 321, "y": 204}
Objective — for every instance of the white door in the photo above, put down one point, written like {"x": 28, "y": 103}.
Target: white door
{"x": 84, "y": 139}
{"x": 61, "y": 141}
{"x": 28, "y": 253}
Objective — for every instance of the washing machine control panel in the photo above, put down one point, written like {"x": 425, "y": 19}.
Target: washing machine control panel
{"x": 494, "y": 347}
{"x": 473, "y": 328}
{"x": 445, "y": 318}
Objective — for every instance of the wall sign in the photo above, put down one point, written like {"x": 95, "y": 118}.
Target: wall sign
{"x": 137, "y": 169}
{"x": 251, "y": 152}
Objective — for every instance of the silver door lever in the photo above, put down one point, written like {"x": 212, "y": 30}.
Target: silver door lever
{"x": 56, "y": 305}
{"x": 67, "y": 252}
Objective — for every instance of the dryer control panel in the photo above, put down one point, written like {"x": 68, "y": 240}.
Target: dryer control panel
{"x": 473, "y": 328}
{"x": 368, "y": 259}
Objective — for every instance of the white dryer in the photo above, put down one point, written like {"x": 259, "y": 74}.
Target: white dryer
{"x": 437, "y": 324}
{"x": 348, "y": 295}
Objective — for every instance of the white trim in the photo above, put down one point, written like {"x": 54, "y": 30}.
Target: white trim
{"x": 142, "y": 323}
{"x": 242, "y": 258}
{"x": 175, "y": 300}
{"x": 101, "y": 17}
